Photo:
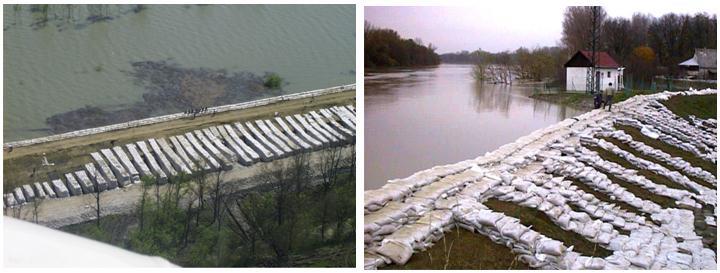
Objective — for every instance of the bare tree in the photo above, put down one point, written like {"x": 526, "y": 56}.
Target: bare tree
{"x": 577, "y": 26}
{"x": 36, "y": 209}
{"x": 329, "y": 166}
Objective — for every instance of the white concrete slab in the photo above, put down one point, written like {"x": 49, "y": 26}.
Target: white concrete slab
{"x": 195, "y": 155}
{"x": 138, "y": 161}
{"x": 48, "y": 190}
{"x": 214, "y": 152}
{"x": 60, "y": 189}
{"x": 85, "y": 183}
{"x": 72, "y": 185}
{"x": 159, "y": 173}
{"x": 182, "y": 154}
{"x": 243, "y": 158}
{"x": 267, "y": 143}
{"x": 274, "y": 138}
{"x": 112, "y": 182}
{"x": 10, "y": 200}
{"x": 163, "y": 160}
{"x": 127, "y": 164}
{"x": 227, "y": 128}
{"x": 19, "y": 196}
{"x": 321, "y": 121}
{"x": 287, "y": 133}
{"x": 199, "y": 147}
{"x": 28, "y": 192}
{"x": 264, "y": 153}
{"x": 309, "y": 120}
{"x": 309, "y": 129}
{"x": 299, "y": 130}
{"x": 331, "y": 119}
{"x": 99, "y": 182}
{"x": 116, "y": 167}
{"x": 343, "y": 117}
{"x": 39, "y": 192}
{"x": 214, "y": 140}
{"x": 175, "y": 159}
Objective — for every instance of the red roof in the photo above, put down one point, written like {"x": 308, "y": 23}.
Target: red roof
{"x": 603, "y": 58}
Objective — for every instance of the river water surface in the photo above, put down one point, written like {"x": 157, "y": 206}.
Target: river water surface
{"x": 70, "y": 62}
{"x": 420, "y": 118}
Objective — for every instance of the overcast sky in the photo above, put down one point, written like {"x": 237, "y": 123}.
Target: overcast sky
{"x": 496, "y": 28}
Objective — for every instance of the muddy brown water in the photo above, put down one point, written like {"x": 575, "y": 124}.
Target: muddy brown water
{"x": 419, "y": 118}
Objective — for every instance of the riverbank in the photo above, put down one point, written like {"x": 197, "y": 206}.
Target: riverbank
{"x": 60, "y": 212}
{"x": 70, "y": 151}
{"x": 580, "y": 101}
{"x": 675, "y": 223}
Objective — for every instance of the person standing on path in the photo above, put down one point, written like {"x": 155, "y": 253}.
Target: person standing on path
{"x": 609, "y": 93}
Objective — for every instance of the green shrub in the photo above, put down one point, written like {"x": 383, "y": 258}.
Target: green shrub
{"x": 273, "y": 81}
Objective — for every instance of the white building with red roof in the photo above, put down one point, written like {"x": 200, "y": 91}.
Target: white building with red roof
{"x": 607, "y": 71}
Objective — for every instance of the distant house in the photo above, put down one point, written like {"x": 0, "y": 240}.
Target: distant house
{"x": 607, "y": 71}
{"x": 702, "y": 66}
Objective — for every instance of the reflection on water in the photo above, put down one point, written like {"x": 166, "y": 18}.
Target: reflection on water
{"x": 416, "y": 119}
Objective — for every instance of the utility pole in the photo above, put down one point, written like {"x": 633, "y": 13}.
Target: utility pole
{"x": 590, "y": 84}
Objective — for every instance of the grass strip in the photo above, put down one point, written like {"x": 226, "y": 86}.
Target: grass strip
{"x": 462, "y": 249}
{"x": 540, "y": 222}
{"x": 665, "y": 202}
{"x": 691, "y": 158}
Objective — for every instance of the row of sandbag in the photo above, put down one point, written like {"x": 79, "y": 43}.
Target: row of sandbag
{"x": 631, "y": 119}
{"x": 413, "y": 205}
{"x": 531, "y": 247}
{"x": 709, "y": 125}
{"x": 208, "y": 149}
{"x": 593, "y": 160}
{"x": 398, "y": 189}
{"x": 662, "y": 252}
{"x": 654, "y": 113}
{"x": 683, "y": 195}
{"x": 572, "y": 167}
{"x": 668, "y": 122}
{"x": 676, "y": 162}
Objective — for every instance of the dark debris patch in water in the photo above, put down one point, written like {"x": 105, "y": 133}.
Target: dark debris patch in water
{"x": 462, "y": 249}
{"x": 170, "y": 89}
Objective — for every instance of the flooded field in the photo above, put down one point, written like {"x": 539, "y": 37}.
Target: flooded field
{"x": 68, "y": 67}
{"x": 416, "y": 119}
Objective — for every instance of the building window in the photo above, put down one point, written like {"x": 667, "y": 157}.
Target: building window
{"x": 608, "y": 74}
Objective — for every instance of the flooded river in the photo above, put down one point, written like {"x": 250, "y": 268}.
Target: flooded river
{"x": 61, "y": 58}
{"x": 417, "y": 119}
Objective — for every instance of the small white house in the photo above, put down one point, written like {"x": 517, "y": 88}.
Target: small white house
{"x": 607, "y": 71}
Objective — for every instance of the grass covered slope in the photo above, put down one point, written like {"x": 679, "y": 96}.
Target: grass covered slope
{"x": 703, "y": 106}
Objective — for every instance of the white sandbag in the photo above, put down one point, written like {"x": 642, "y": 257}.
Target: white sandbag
{"x": 642, "y": 261}
{"x": 488, "y": 217}
{"x": 595, "y": 264}
{"x": 550, "y": 247}
{"x": 564, "y": 220}
{"x": 513, "y": 230}
{"x": 580, "y": 216}
{"x": 555, "y": 199}
{"x": 532, "y": 202}
{"x": 604, "y": 238}
{"x": 397, "y": 252}
{"x": 680, "y": 258}
{"x": 528, "y": 238}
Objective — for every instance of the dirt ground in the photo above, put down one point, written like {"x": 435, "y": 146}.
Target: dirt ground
{"x": 23, "y": 164}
